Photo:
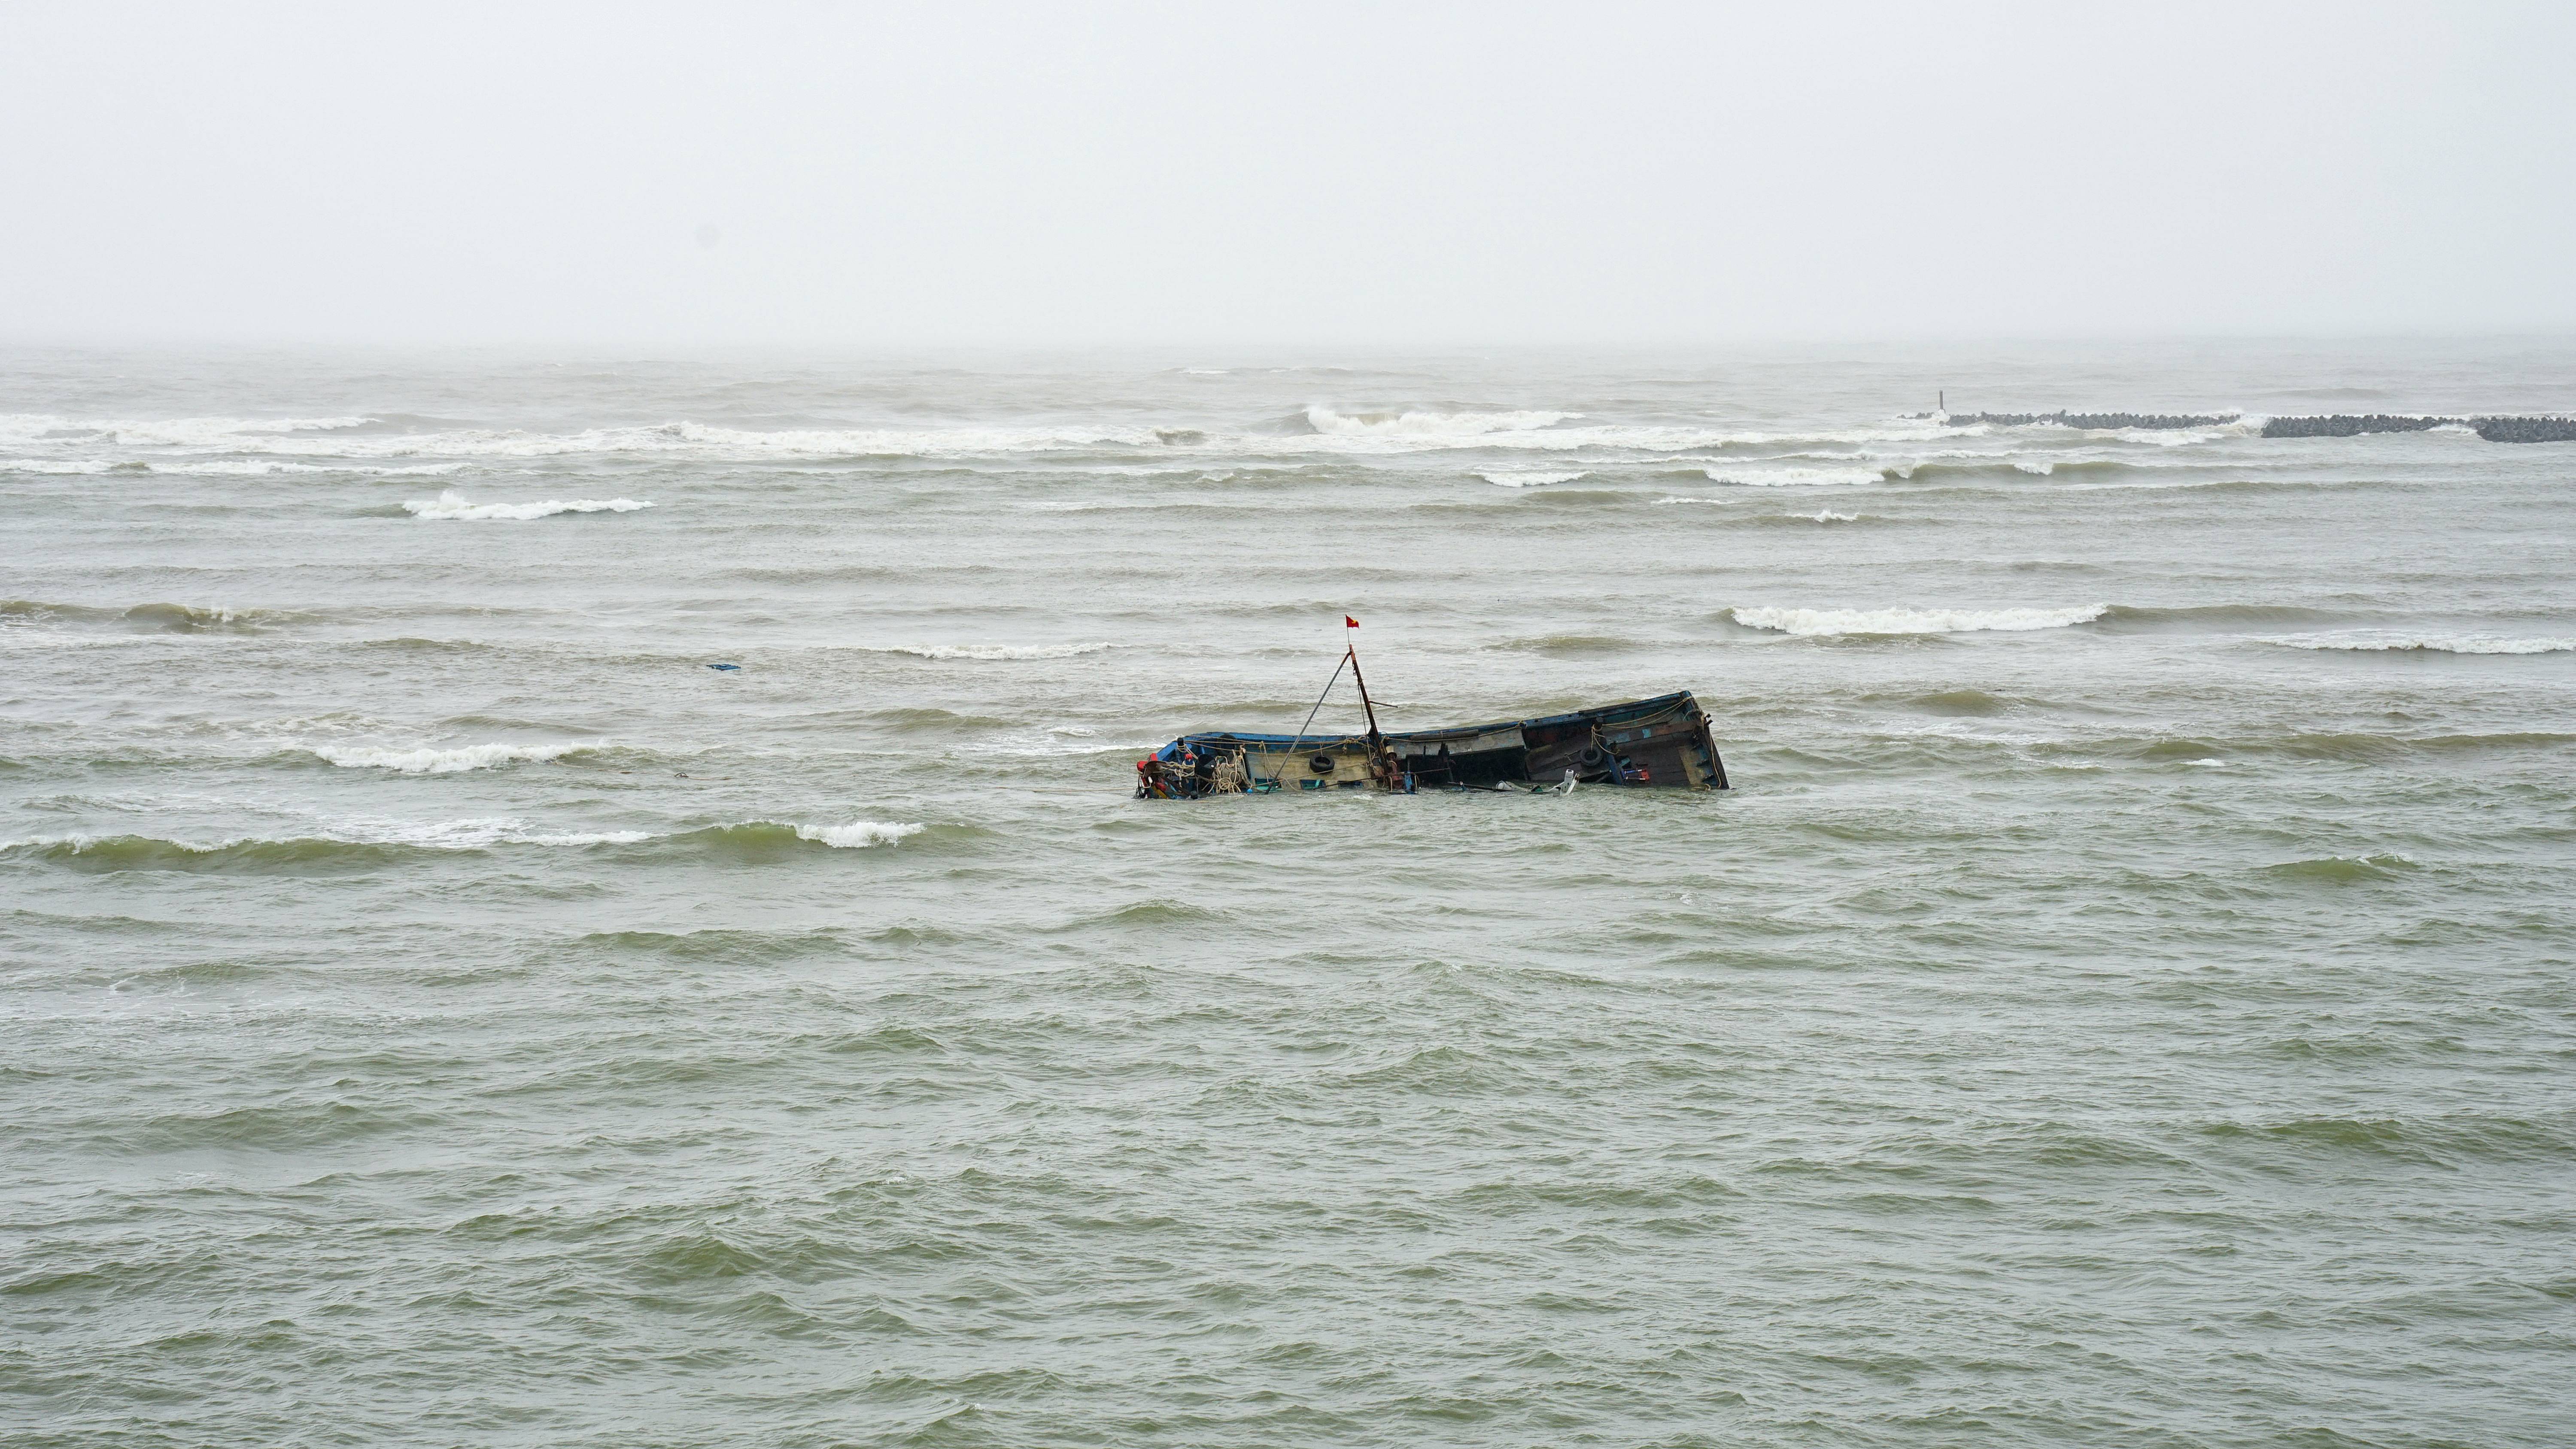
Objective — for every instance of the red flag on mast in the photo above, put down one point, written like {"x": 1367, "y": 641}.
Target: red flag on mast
{"x": 1349, "y": 623}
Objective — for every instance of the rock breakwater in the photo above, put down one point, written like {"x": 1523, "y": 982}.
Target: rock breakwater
{"x": 2494, "y": 430}
{"x": 2335, "y": 425}
{"x": 2526, "y": 430}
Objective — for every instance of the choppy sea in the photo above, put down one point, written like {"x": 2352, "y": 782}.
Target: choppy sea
{"x": 2125, "y": 1000}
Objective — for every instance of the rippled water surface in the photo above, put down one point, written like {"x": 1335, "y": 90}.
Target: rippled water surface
{"x": 2125, "y": 1001}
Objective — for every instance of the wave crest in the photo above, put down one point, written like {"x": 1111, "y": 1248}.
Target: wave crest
{"x": 987, "y": 653}
{"x": 448, "y": 505}
{"x": 1427, "y": 423}
{"x": 1823, "y": 622}
{"x": 160, "y": 432}
{"x": 858, "y": 834}
{"x": 761, "y": 841}
{"x": 163, "y": 618}
{"x": 300, "y": 855}
{"x": 441, "y": 762}
{"x": 1515, "y": 478}
{"x": 1745, "y": 477}
{"x": 2431, "y": 643}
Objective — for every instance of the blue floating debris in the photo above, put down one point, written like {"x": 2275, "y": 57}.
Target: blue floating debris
{"x": 727, "y": 668}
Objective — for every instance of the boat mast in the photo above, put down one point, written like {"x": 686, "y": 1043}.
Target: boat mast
{"x": 1352, "y": 650}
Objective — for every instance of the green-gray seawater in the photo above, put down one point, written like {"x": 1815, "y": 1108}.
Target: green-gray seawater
{"x": 2126, "y": 1000}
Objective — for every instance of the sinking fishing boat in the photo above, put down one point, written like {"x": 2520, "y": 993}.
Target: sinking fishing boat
{"x": 1658, "y": 743}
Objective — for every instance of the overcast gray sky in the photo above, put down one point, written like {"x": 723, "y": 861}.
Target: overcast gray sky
{"x": 900, "y": 175}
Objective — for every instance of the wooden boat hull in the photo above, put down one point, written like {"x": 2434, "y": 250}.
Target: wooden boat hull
{"x": 1659, "y": 743}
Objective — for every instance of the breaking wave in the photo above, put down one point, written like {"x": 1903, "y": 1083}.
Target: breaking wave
{"x": 236, "y": 433}
{"x": 219, "y": 468}
{"x": 342, "y": 444}
{"x": 2218, "y": 616}
{"x": 2434, "y": 643}
{"x": 449, "y": 506}
{"x": 159, "y": 618}
{"x": 858, "y": 834}
{"x": 442, "y": 762}
{"x": 1816, "y": 622}
{"x": 1502, "y": 478}
{"x": 262, "y": 467}
{"x": 2007, "y": 466}
{"x": 1746, "y": 477}
{"x": 1427, "y": 423}
{"x": 989, "y": 652}
{"x": 761, "y": 840}
{"x": 302, "y": 855}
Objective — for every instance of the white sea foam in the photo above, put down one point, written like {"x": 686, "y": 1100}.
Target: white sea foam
{"x": 440, "y": 762}
{"x": 988, "y": 652}
{"x": 2185, "y": 437}
{"x": 868, "y": 442}
{"x": 434, "y": 834}
{"x": 260, "y": 467}
{"x": 229, "y": 433}
{"x": 1502, "y": 478}
{"x": 476, "y": 834}
{"x": 1428, "y": 423}
{"x": 1827, "y": 515}
{"x": 1745, "y": 476}
{"x": 2468, "y": 643}
{"x": 232, "y": 436}
{"x": 217, "y": 467}
{"x": 424, "y": 834}
{"x": 858, "y": 834}
{"x": 1720, "y": 502}
{"x": 1812, "y": 622}
{"x": 2247, "y": 425}
{"x": 449, "y": 506}
{"x": 1333, "y": 432}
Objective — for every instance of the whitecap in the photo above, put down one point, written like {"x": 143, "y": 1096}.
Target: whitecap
{"x": 2466, "y": 643}
{"x": 427, "y": 761}
{"x": 1815, "y": 622}
{"x": 858, "y": 834}
{"x": 261, "y": 467}
{"x": 161, "y": 432}
{"x": 1427, "y": 422}
{"x": 449, "y": 506}
{"x": 1501, "y": 478}
{"x": 989, "y": 652}
{"x": 1744, "y": 477}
